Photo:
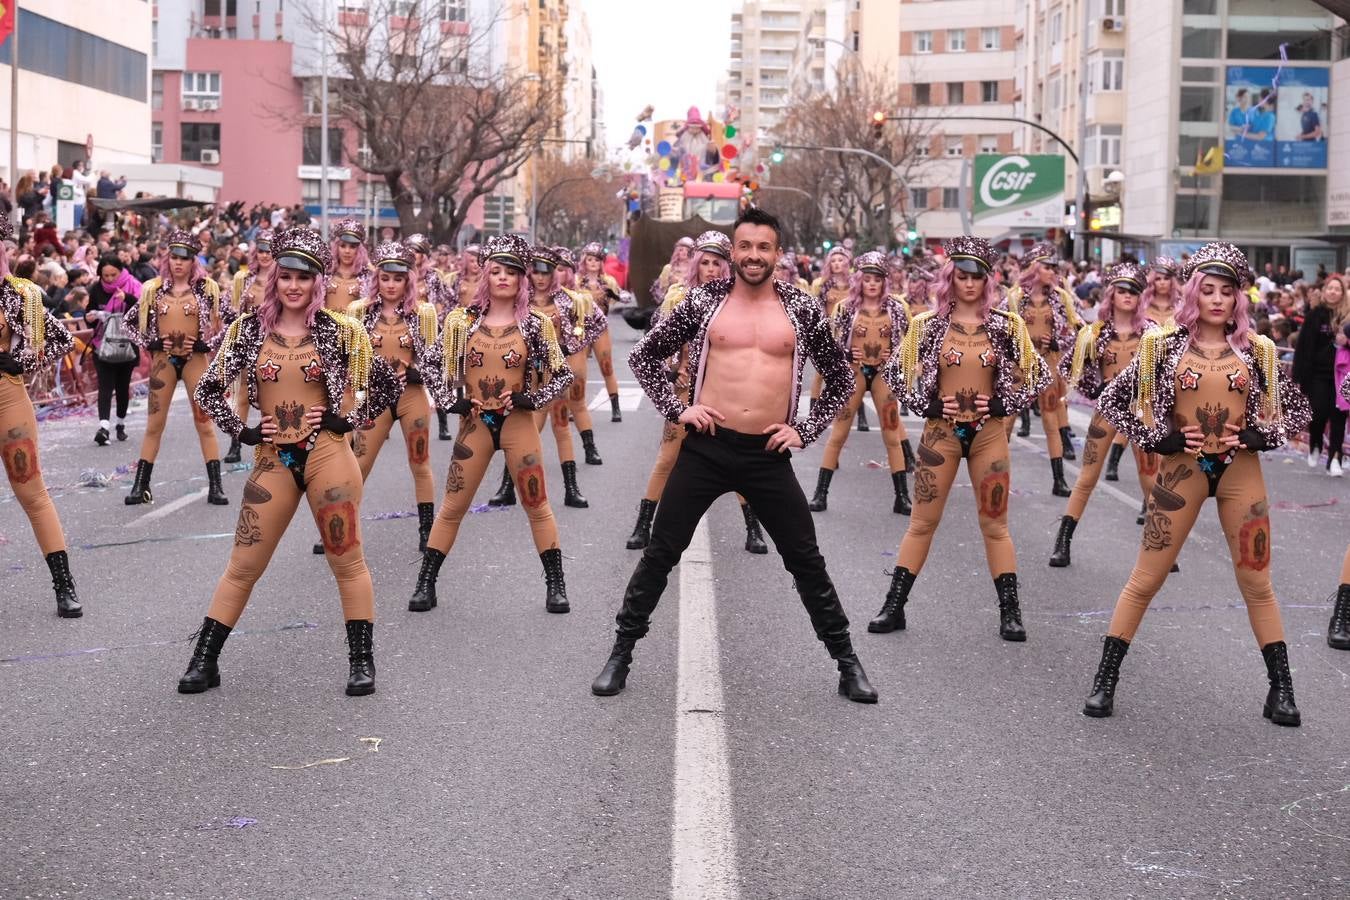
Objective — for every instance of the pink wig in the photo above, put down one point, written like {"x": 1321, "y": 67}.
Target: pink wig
{"x": 674, "y": 263}
{"x": 567, "y": 277}
{"x": 1030, "y": 279}
{"x": 199, "y": 272}
{"x": 522, "y": 304}
{"x": 253, "y": 264}
{"x": 943, "y": 294}
{"x": 407, "y": 304}
{"x": 1188, "y": 312}
{"x": 1108, "y": 310}
{"x": 270, "y": 308}
{"x": 691, "y": 278}
{"x": 855, "y": 294}
{"x": 828, "y": 278}
{"x": 360, "y": 264}
{"x": 1146, "y": 298}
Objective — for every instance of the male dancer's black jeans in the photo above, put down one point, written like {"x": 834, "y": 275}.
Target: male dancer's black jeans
{"x": 708, "y": 467}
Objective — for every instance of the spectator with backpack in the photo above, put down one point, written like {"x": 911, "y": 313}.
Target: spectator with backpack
{"x": 115, "y": 355}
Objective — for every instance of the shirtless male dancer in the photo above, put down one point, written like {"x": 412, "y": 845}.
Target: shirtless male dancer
{"x": 748, "y": 338}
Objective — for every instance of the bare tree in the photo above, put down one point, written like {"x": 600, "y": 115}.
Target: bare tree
{"x": 574, "y": 205}
{"x": 860, "y": 197}
{"x": 444, "y": 122}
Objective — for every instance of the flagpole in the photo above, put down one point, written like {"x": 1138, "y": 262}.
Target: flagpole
{"x": 14, "y": 116}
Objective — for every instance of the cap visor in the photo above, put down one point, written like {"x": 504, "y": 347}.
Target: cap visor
{"x": 393, "y": 267}
{"x": 1216, "y": 269}
{"x": 349, "y": 239}
{"x": 298, "y": 264}
{"x": 542, "y": 267}
{"x": 970, "y": 266}
{"x": 180, "y": 252}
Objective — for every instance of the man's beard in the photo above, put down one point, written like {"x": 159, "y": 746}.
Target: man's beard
{"x": 765, "y": 273}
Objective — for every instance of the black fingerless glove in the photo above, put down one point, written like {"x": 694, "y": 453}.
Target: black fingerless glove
{"x": 1174, "y": 442}
{"x": 461, "y": 407}
{"x": 331, "y": 421}
{"x": 9, "y": 365}
{"x": 413, "y": 376}
{"x": 156, "y": 345}
{"x": 934, "y": 408}
{"x": 200, "y": 346}
{"x": 1253, "y": 439}
{"x": 251, "y": 435}
{"x": 521, "y": 400}
{"x": 672, "y": 377}
{"x": 997, "y": 408}
{"x": 1054, "y": 345}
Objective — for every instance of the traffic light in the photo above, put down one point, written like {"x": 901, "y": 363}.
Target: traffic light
{"x": 878, "y": 123}
{"x": 827, "y": 244}
{"x": 778, "y": 155}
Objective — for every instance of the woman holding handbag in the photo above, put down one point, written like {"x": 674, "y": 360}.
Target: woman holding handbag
{"x": 115, "y": 355}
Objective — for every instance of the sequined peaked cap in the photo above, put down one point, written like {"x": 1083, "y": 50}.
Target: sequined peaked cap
{"x": 1219, "y": 258}
{"x": 566, "y": 258}
{"x": 182, "y": 244}
{"x": 1129, "y": 274}
{"x": 594, "y": 248}
{"x": 685, "y": 241}
{"x": 1166, "y": 264}
{"x": 970, "y": 254}
{"x": 1042, "y": 252}
{"x": 418, "y": 243}
{"x": 391, "y": 256}
{"x": 349, "y": 231}
{"x": 714, "y": 242}
{"x": 873, "y": 261}
{"x": 509, "y": 250}
{"x": 302, "y": 249}
{"x": 263, "y": 242}
{"x": 543, "y": 259}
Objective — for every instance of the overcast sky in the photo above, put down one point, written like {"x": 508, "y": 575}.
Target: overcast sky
{"x": 670, "y": 55}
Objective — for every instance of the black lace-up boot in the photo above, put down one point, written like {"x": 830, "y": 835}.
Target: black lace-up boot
{"x": 862, "y": 419}
{"x": 908, "y": 449}
{"x": 1058, "y": 486}
{"x": 1024, "y": 426}
{"x": 424, "y": 595}
{"x": 588, "y": 446}
{"x": 900, "y": 481}
{"x": 556, "y": 601}
{"x": 642, "y": 531}
{"x": 140, "y": 485}
{"x": 1009, "y": 609}
{"x": 820, "y": 501}
{"x": 1279, "y": 707}
{"x": 202, "y": 672}
{"x": 235, "y": 453}
{"x": 215, "y": 491}
{"x": 506, "y": 494}
{"x": 892, "y": 615}
{"x": 442, "y": 425}
{"x": 754, "y": 537}
{"x": 1338, "y": 631}
{"x": 853, "y": 682}
{"x": 426, "y": 517}
{"x": 360, "y": 657}
{"x": 1103, "y": 697}
{"x": 615, "y": 414}
{"x": 1113, "y": 462}
{"x": 1059, "y": 559}
{"x": 571, "y": 493}
{"x": 1066, "y": 439}
{"x": 67, "y": 604}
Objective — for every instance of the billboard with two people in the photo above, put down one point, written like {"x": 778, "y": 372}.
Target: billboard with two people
{"x": 1276, "y": 118}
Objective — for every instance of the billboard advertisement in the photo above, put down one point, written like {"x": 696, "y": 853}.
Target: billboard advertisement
{"x": 1017, "y": 191}
{"x": 1274, "y": 118}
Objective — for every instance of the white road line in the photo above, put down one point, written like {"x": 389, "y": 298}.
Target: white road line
{"x": 1081, "y": 421}
{"x": 170, "y": 507}
{"x": 703, "y": 842}
{"x": 630, "y": 398}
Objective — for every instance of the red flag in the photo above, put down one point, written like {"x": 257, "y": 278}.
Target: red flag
{"x": 7, "y": 12}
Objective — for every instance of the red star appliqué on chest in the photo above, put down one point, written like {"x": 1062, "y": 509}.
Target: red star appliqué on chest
{"x": 313, "y": 371}
{"x": 512, "y": 359}
{"x": 475, "y": 357}
{"x": 1237, "y": 382}
{"x": 405, "y": 340}
{"x": 269, "y": 371}
{"x": 951, "y": 356}
{"x": 1109, "y": 357}
{"x": 1189, "y": 379}
{"x": 987, "y": 358}
{"x": 377, "y": 340}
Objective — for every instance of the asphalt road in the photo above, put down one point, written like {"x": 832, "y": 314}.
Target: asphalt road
{"x": 483, "y": 767}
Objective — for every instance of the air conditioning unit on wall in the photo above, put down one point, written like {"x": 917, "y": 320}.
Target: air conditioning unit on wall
{"x": 190, "y": 103}
{"x": 210, "y": 104}
{"x": 1113, "y": 23}
{"x": 210, "y": 157}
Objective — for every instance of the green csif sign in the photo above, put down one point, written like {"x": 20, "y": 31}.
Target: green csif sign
{"x": 1016, "y": 190}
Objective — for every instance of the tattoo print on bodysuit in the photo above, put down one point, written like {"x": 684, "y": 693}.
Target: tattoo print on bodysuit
{"x": 20, "y": 456}
{"x": 337, "y": 521}
{"x": 157, "y": 384}
{"x": 925, "y": 479}
{"x": 1090, "y": 451}
{"x": 454, "y": 481}
{"x": 965, "y": 399}
{"x": 994, "y": 490}
{"x": 418, "y": 439}
{"x": 1164, "y": 499}
{"x": 290, "y": 415}
{"x": 530, "y": 480}
{"x": 248, "y": 532}
{"x": 1254, "y": 539}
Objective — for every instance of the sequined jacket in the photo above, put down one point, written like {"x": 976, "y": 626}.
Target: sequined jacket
{"x": 1139, "y": 401}
{"x": 549, "y": 373}
{"x": 439, "y": 294}
{"x": 690, "y": 322}
{"x": 578, "y": 335}
{"x": 142, "y": 316}
{"x": 423, "y": 328}
{"x": 39, "y": 338}
{"x": 349, "y": 363}
{"x": 912, "y": 371}
{"x": 606, "y": 290}
{"x": 1345, "y": 389}
{"x": 1067, "y": 320}
{"x": 1082, "y": 368}
{"x": 895, "y": 308}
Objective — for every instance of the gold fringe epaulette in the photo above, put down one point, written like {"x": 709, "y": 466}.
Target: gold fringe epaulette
{"x": 237, "y": 288}
{"x": 1150, "y": 346}
{"x": 213, "y": 293}
{"x": 34, "y": 312}
{"x": 355, "y": 342}
{"x": 148, "y": 292}
{"x": 1084, "y": 350}
{"x": 1028, "y": 360}
{"x": 426, "y": 322}
{"x": 555, "y": 354}
{"x": 1070, "y": 312}
{"x": 1014, "y": 298}
{"x": 909, "y": 347}
{"x": 1267, "y": 359}
{"x": 675, "y": 294}
{"x": 454, "y": 341}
